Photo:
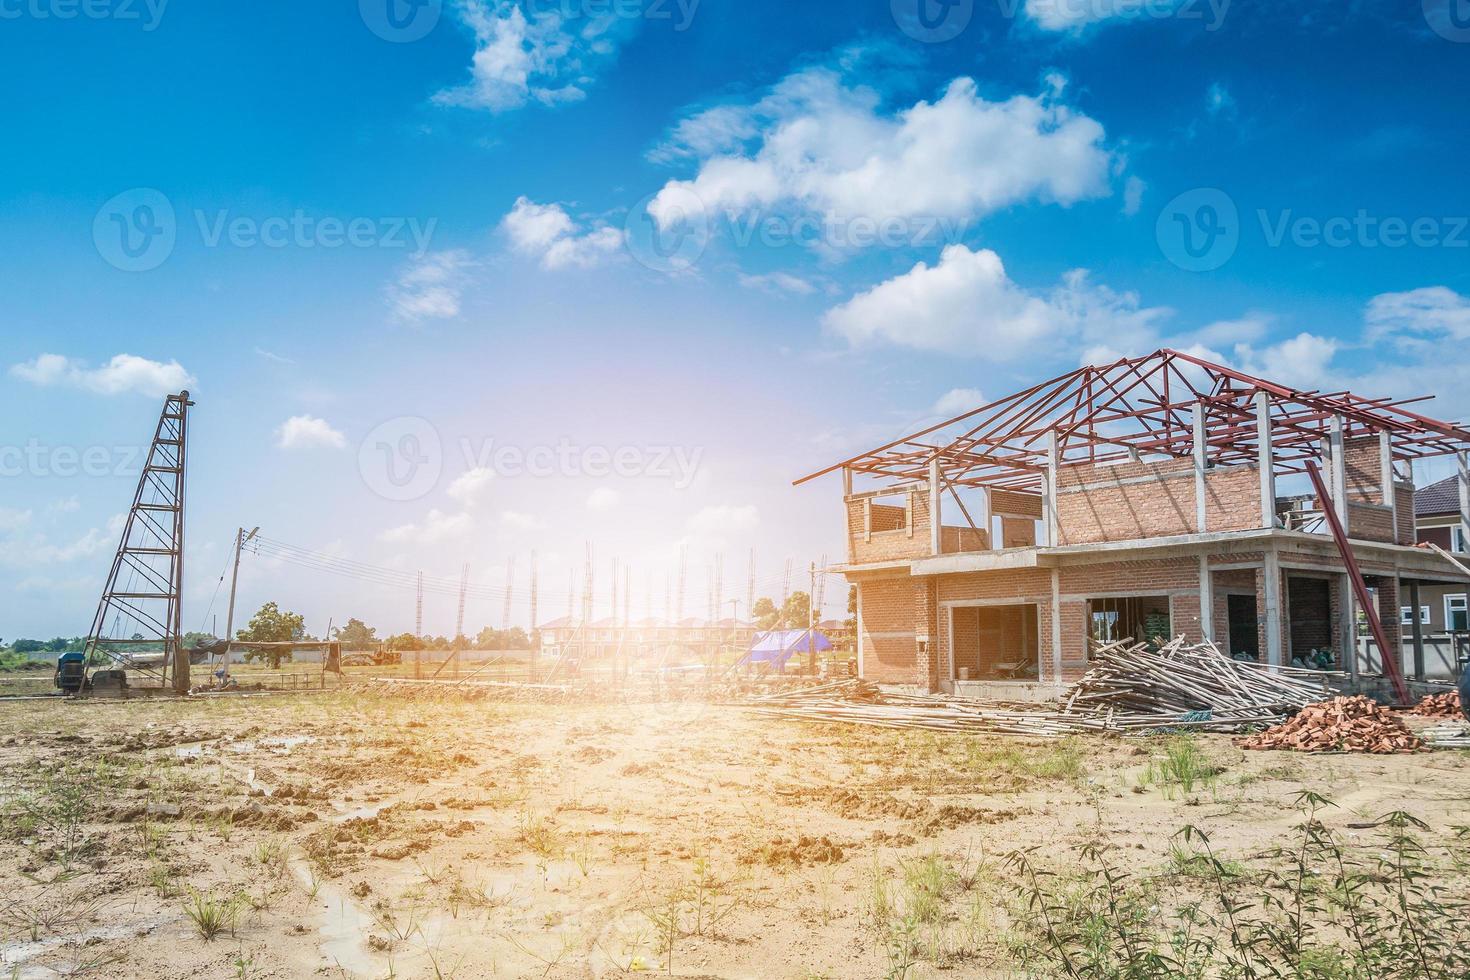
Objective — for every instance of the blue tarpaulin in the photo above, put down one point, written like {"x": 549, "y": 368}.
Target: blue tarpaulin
{"x": 775, "y": 647}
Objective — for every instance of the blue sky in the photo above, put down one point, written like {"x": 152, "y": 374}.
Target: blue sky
{"x": 734, "y": 241}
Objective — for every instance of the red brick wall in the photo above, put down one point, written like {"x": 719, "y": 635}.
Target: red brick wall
{"x": 888, "y": 630}
{"x": 1233, "y": 498}
{"x": 1020, "y": 585}
{"x": 1370, "y": 522}
{"x": 1017, "y": 533}
{"x": 1404, "y": 498}
{"x": 1096, "y": 504}
{"x": 1362, "y": 462}
{"x": 1101, "y": 504}
{"x": 1016, "y": 504}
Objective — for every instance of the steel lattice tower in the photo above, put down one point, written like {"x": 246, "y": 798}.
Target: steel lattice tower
{"x": 140, "y": 605}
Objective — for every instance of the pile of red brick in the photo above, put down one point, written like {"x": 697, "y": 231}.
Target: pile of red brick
{"x": 1439, "y": 706}
{"x": 1354, "y": 724}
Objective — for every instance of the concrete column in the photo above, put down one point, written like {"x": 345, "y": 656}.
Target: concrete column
{"x": 1265, "y": 459}
{"x": 1339, "y": 473}
{"x": 846, "y": 481}
{"x": 1056, "y": 626}
{"x": 1417, "y": 630}
{"x": 1201, "y": 458}
{"x": 936, "y": 519}
{"x": 1347, "y": 629}
{"x": 1206, "y": 600}
{"x": 1271, "y": 590}
{"x": 1053, "y": 460}
{"x": 1385, "y": 469}
{"x": 987, "y": 518}
{"x": 1464, "y": 461}
{"x": 861, "y": 652}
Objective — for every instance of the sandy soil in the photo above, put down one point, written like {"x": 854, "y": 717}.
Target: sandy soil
{"x": 360, "y": 836}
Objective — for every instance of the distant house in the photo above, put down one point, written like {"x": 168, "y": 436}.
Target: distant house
{"x": 1438, "y": 520}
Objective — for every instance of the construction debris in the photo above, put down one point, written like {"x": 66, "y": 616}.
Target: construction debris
{"x": 1132, "y": 688}
{"x": 1438, "y": 706}
{"x": 1354, "y": 724}
{"x": 1447, "y": 736}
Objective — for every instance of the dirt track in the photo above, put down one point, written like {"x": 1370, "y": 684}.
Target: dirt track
{"x": 371, "y": 837}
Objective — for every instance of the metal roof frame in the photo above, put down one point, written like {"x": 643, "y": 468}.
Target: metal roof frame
{"x": 1140, "y": 407}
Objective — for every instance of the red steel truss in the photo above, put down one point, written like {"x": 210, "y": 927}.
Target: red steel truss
{"x": 1140, "y": 407}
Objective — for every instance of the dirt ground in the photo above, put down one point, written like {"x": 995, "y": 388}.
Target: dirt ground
{"x": 353, "y": 835}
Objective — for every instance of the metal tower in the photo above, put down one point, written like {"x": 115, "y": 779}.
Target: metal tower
{"x": 140, "y": 608}
{"x": 464, "y": 581}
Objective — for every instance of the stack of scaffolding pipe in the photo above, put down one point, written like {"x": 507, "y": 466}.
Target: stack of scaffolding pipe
{"x": 1128, "y": 688}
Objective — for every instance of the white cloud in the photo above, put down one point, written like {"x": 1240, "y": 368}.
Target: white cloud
{"x": 720, "y": 520}
{"x": 818, "y": 144}
{"x": 1075, "y": 15}
{"x": 437, "y": 526}
{"x": 1418, "y": 316}
{"x": 308, "y": 432}
{"x": 544, "y": 56}
{"x": 518, "y": 521}
{"x": 1219, "y": 101}
{"x": 779, "y": 283}
{"x": 469, "y": 487}
{"x": 124, "y": 374}
{"x": 966, "y": 304}
{"x": 1303, "y": 361}
{"x": 957, "y": 401}
{"x": 36, "y": 549}
{"x": 1133, "y": 195}
{"x": 13, "y": 520}
{"x": 602, "y": 500}
{"x": 548, "y": 233}
{"x": 430, "y": 287}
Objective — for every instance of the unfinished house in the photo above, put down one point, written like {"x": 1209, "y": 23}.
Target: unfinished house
{"x": 1155, "y": 496}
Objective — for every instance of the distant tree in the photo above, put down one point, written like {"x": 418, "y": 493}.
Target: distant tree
{"x": 404, "y": 641}
{"x": 28, "y": 646}
{"x": 798, "y": 612}
{"x": 460, "y": 642}
{"x": 849, "y": 626}
{"x": 357, "y": 635}
{"x": 516, "y": 639}
{"x": 271, "y": 625}
{"x": 765, "y": 613}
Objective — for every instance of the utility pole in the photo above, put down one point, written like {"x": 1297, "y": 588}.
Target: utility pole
{"x": 241, "y": 539}
{"x": 750, "y": 583}
{"x": 535, "y": 630}
{"x": 464, "y": 581}
{"x": 510, "y": 581}
{"x": 418, "y": 616}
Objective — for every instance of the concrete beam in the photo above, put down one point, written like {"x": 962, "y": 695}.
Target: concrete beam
{"x": 1056, "y": 626}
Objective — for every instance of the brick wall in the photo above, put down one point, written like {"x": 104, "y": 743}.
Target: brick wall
{"x": 1106, "y": 504}
{"x": 1370, "y": 522}
{"x": 1388, "y": 612}
{"x": 1152, "y": 499}
{"x": 1017, "y": 533}
{"x": 1404, "y": 499}
{"x": 888, "y": 630}
{"x": 892, "y": 538}
{"x": 926, "y": 626}
{"x": 1021, "y": 585}
{"x": 1362, "y": 460}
